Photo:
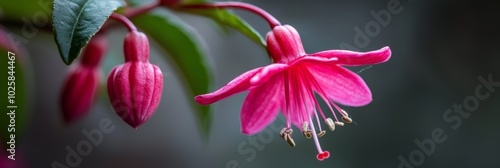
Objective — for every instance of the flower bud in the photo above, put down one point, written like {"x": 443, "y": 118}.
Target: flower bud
{"x": 284, "y": 44}
{"x": 134, "y": 88}
{"x": 82, "y": 82}
{"x": 95, "y": 51}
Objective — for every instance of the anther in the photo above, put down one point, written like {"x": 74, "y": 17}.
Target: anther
{"x": 344, "y": 113}
{"x": 306, "y": 131}
{"x": 330, "y": 124}
{"x": 286, "y": 134}
{"x": 346, "y": 119}
{"x": 321, "y": 133}
{"x": 338, "y": 123}
{"x": 282, "y": 133}
{"x": 308, "y": 134}
{"x": 305, "y": 126}
{"x": 289, "y": 139}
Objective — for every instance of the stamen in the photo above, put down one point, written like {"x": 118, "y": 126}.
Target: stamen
{"x": 346, "y": 119}
{"x": 329, "y": 103}
{"x": 329, "y": 122}
{"x": 289, "y": 139}
{"x": 282, "y": 132}
{"x": 287, "y": 102}
{"x": 322, "y": 133}
{"x": 317, "y": 118}
{"x": 321, "y": 94}
{"x": 343, "y": 112}
{"x": 305, "y": 126}
{"x": 286, "y": 134}
{"x": 318, "y": 146}
{"x": 308, "y": 134}
{"x": 319, "y": 108}
{"x": 306, "y": 131}
{"x": 338, "y": 123}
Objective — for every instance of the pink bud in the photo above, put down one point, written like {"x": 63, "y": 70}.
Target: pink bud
{"x": 284, "y": 44}
{"x": 94, "y": 51}
{"x": 82, "y": 82}
{"x": 135, "y": 87}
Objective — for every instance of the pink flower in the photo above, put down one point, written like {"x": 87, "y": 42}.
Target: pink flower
{"x": 134, "y": 88}
{"x": 290, "y": 82}
{"x": 82, "y": 82}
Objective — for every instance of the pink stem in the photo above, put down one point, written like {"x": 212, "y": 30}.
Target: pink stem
{"x": 130, "y": 26}
{"x": 273, "y": 22}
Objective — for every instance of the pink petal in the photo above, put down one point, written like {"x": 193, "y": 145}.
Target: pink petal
{"x": 245, "y": 81}
{"x": 261, "y": 106}
{"x": 300, "y": 101}
{"x": 313, "y": 60}
{"x": 353, "y": 58}
{"x": 239, "y": 84}
{"x": 267, "y": 72}
{"x": 340, "y": 84}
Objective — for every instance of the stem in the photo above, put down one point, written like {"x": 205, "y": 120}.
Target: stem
{"x": 273, "y": 22}
{"x": 121, "y": 18}
{"x": 142, "y": 9}
{"x": 133, "y": 12}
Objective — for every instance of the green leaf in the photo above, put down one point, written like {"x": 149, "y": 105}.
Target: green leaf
{"x": 226, "y": 18}
{"x": 177, "y": 39}
{"x": 76, "y": 21}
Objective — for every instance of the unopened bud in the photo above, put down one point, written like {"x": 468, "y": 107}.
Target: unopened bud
{"x": 135, "y": 87}
{"x": 82, "y": 82}
{"x": 78, "y": 93}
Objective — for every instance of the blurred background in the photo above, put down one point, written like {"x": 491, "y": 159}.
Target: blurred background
{"x": 440, "y": 50}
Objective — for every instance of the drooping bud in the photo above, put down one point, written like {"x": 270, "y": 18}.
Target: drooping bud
{"x": 135, "y": 88}
{"x": 284, "y": 44}
{"x": 94, "y": 52}
{"x": 82, "y": 82}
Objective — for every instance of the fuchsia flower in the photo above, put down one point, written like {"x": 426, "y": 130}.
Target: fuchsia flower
{"x": 82, "y": 82}
{"x": 290, "y": 82}
{"x": 135, "y": 87}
